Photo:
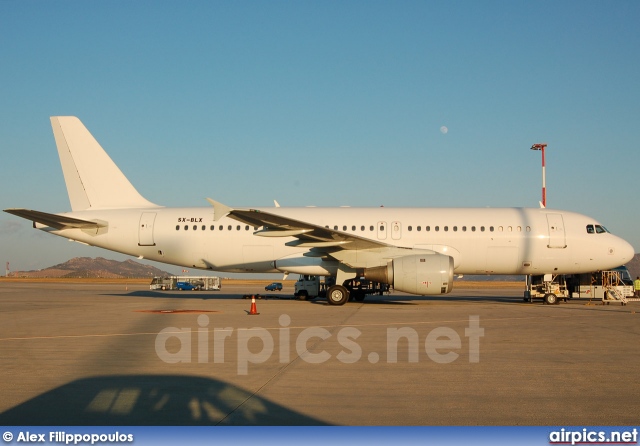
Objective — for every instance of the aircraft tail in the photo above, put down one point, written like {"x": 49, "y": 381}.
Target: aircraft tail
{"x": 93, "y": 179}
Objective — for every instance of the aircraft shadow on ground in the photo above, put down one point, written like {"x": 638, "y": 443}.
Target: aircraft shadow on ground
{"x": 369, "y": 300}
{"x": 151, "y": 400}
{"x": 203, "y": 295}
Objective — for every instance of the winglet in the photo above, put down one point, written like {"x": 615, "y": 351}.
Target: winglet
{"x": 219, "y": 210}
{"x": 542, "y": 206}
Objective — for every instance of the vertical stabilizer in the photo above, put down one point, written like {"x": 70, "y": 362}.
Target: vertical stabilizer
{"x": 93, "y": 180}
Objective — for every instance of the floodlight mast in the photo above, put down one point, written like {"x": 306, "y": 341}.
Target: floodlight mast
{"x": 542, "y": 147}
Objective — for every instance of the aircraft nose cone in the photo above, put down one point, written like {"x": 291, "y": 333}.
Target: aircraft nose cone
{"x": 626, "y": 251}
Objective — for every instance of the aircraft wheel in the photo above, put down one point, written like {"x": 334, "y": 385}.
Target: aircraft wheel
{"x": 302, "y": 295}
{"x": 550, "y": 299}
{"x": 337, "y": 295}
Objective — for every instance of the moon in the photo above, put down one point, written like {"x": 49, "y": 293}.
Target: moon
{"x": 444, "y": 129}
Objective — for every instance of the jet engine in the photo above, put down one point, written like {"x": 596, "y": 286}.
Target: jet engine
{"x": 424, "y": 275}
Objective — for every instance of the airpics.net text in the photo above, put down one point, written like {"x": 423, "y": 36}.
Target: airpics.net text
{"x": 256, "y": 345}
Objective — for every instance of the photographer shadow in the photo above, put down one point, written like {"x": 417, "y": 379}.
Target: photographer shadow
{"x": 148, "y": 400}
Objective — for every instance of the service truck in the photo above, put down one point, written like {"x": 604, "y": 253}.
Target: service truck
{"x": 195, "y": 283}
{"x": 611, "y": 285}
{"x": 310, "y": 287}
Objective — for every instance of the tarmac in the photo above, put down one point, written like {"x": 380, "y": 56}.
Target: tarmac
{"x": 117, "y": 354}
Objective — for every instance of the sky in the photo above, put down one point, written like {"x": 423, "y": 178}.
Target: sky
{"x": 326, "y": 103}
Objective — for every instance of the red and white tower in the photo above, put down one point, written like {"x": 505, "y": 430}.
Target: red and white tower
{"x": 541, "y": 147}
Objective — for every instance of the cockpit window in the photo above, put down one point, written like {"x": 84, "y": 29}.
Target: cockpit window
{"x": 590, "y": 229}
{"x": 600, "y": 229}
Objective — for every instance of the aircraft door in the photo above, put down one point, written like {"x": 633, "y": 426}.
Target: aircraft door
{"x": 396, "y": 230}
{"x": 556, "y": 231}
{"x": 145, "y": 229}
{"x": 382, "y": 230}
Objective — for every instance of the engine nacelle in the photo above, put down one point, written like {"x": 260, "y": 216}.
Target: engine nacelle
{"x": 424, "y": 275}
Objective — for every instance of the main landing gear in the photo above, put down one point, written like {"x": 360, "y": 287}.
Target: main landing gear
{"x": 337, "y": 295}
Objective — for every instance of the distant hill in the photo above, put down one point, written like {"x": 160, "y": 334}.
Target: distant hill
{"x": 634, "y": 266}
{"x": 95, "y": 268}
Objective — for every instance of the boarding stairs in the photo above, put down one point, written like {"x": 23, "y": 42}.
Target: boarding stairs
{"x": 612, "y": 294}
{"x": 610, "y": 281}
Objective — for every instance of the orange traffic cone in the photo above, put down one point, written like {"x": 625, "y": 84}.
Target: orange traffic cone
{"x": 253, "y": 310}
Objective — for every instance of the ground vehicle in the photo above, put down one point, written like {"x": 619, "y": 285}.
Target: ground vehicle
{"x": 615, "y": 284}
{"x": 275, "y": 286}
{"x": 309, "y": 287}
{"x": 187, "y": 286}
{"x": 207, "y": 283}
{"x": 594, "y": 285}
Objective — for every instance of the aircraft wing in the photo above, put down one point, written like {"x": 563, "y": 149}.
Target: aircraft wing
{"x": 53, "y": 220}
{"x": 308, "y": 235}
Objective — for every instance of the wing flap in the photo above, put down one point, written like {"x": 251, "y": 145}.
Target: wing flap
{"x": 54, "y": 220}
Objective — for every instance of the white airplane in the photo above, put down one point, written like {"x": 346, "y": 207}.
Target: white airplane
{"x": 415, "y": 250}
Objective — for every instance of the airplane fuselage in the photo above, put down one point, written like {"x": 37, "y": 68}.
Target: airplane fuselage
{"x": 480, "y": 240}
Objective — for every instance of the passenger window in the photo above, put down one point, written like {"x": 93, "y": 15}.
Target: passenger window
{"x": 221, "y": 227}
{"x": 500, "y": 228}
{"x": 409, "y": 228}
{"x": 230, "y": 227}
{"x": 491, "y": 228}
{"x": 473, "y": 229}
{"x": 528, "y": 228}
{"x": 344, "y": 228}
{"x": 482, "y": 228}
{"x": 519, "y": 228}
{"x": 177, "y": 227}
{"x": 509, "y": 228}
{"x": 335, "y": 227}
{"x": 464, "y": 229}
{"x": 419, "y": 229}
{"x": 186, "y": 227}
{"x": 371, "y": 228}
{"x": 353, "y": 228}
{"x": 362, "y": 228}
{"x": 204, "y": 228}
{"x": 446, "y": 228}
{"x": 382, "y": 227}
{"x": 590, "y": 229}
{"x": 246, "y": 228}
{"x": 238, "y": 228}
{"x": 427, "y": 228}
{"x": 437, "y": 228}
{"x": 213, "y": 227}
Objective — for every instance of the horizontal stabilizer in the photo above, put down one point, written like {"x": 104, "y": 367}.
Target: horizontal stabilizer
{"x": 54, "y": 220}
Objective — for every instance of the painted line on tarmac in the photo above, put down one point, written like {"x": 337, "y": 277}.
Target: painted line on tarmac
{"x": 301, "y": 327}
